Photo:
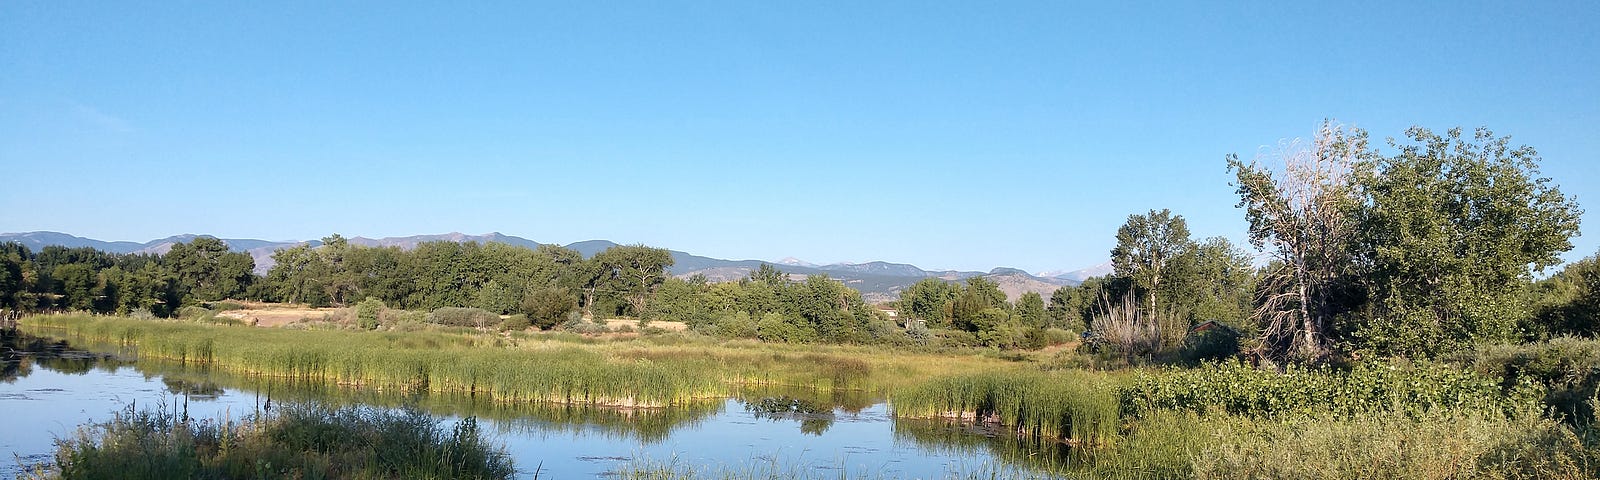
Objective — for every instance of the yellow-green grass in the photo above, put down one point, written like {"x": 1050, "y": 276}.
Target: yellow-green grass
{"x": 1074, "y": 406}
{"x": 645, "y": 372}
{"x": 296, "y": 441}
{"x": 415, "y": 361}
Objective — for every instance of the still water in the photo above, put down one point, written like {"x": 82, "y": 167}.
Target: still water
{"x": 48, "y": 389}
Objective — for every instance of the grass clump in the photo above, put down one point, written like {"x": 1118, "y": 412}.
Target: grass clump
{"x": 405, "y": 361}
{"x": 1078, "y": 407}
{"x": 298, "y": 441}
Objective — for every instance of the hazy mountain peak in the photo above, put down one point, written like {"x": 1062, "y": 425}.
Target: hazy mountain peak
{"x": 795, "y": 262}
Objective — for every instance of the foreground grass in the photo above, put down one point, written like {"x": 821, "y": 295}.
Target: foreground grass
{"x": 298, "y": 441}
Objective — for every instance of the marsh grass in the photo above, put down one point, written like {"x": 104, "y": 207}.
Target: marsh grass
{"x": 647, "y": 372}
{"x": 1077, "y": 407}
{"x": 296, "y": 441}
{"x": 408, "y": 362}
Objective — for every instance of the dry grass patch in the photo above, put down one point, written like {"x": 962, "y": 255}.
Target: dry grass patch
{"x": 276, "y": 314}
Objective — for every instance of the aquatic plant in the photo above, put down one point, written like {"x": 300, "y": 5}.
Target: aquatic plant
{"x": 1079, "y": 407}
{"x": 294, "y": 441}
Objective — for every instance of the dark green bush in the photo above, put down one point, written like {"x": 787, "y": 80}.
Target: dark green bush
{"x": 1209, "y": 345}
{"x": 463, "y": 317}
{"x": 1568, "y": 368}
{"x": 516, "y": 323}
{"x": 224, "y": 306}
{"x": 548, "y": 307}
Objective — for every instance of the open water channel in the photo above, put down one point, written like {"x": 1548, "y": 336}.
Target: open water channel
{"x": 48, "y": 389}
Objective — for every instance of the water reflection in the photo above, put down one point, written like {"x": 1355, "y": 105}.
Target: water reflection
{"x": 969, "y": 438}
{"x": 19, "y": 352}
{"x": 814, "y": 419}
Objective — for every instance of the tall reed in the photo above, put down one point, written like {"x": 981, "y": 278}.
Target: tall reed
{"x": 414, "y": 361}
{"x": 1079, "y": 407}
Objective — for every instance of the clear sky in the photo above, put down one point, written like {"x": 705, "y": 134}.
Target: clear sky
{"x": 963, "y": 135}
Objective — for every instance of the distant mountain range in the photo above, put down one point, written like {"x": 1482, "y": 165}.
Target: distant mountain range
{"x": 878, "y": 281}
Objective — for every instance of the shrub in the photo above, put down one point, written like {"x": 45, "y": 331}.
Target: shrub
{"x": 463, "y": 317}
{"x": 1568, "y": 367}
{"x": 225, "y": 306}
{"x": 516, "y": 323}
{"x": 957, "y": 338}
{"x": 585, "y": 327}
{"x": 1236, "y": 389}
{"x": 918, "y": 331}
{"x": 774, "y": 327}
{"x": 194, "y": 312}
{"x": 367, "y": 313}
{"x": 1209, "y": 345}
{"x": 736, "y": 325}
{"x": 547, "y": 307}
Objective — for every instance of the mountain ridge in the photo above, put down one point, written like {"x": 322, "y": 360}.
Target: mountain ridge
{"x": 878, "y": 281}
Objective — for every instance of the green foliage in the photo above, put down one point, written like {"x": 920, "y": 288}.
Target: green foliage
{"x": 206, "y": 271}
{"x": 774, "y": 327}
{"x": 1567, "y": 303}
{"x": 1030, "y": 310}
{"x": 463, "y": 317}
{"x": 629, "y": 274}
{"x": 1235, "y": 389}
{"x": 929, "y": 300}
{"x": 737, "y": 324}
{"x": 1450, "y": 229}
{"x": 368, "y": 313}
{"x": 1210, "y": 345}
{"x": 298, "y": 440}
{"x": 1147, "y": 247}
{"x": 548, "y": 306}
{"x": 516, "y": 323}
{"x": 1568, "y": 368}
{"x": 1069, "y": 405}
{"x": 1433, "y": 446}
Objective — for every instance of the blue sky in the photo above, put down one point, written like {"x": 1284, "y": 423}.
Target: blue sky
{"x": 961, "y": 135}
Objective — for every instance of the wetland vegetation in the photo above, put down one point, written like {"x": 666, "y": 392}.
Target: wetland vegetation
{"x": 1398, "y": 330}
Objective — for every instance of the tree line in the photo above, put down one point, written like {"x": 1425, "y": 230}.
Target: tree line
{"x": 1418, "y": 253}
{"x": 59, "y": 278}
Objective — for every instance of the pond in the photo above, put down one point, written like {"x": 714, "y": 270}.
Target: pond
{"x": 48, "y": 389}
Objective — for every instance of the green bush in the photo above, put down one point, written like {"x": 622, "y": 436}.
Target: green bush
{"x": 774, "y": 327}
{"x": 1236, "y": 389}
{"x": 1568, "y": 367}
{"x": 1209, "y": 345}
{"x": 957, "y": 338}
{"x": 516, "y": 323}
{"x": 735, "y": 325}
{"x": 224, "y": 306}
{"x": 463, "y": 317}
{"x": 548, "y": 307}
{"x": 367, "y": 313}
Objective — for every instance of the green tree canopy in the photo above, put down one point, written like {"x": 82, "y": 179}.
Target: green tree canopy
{"x": 1451, "y": 229}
